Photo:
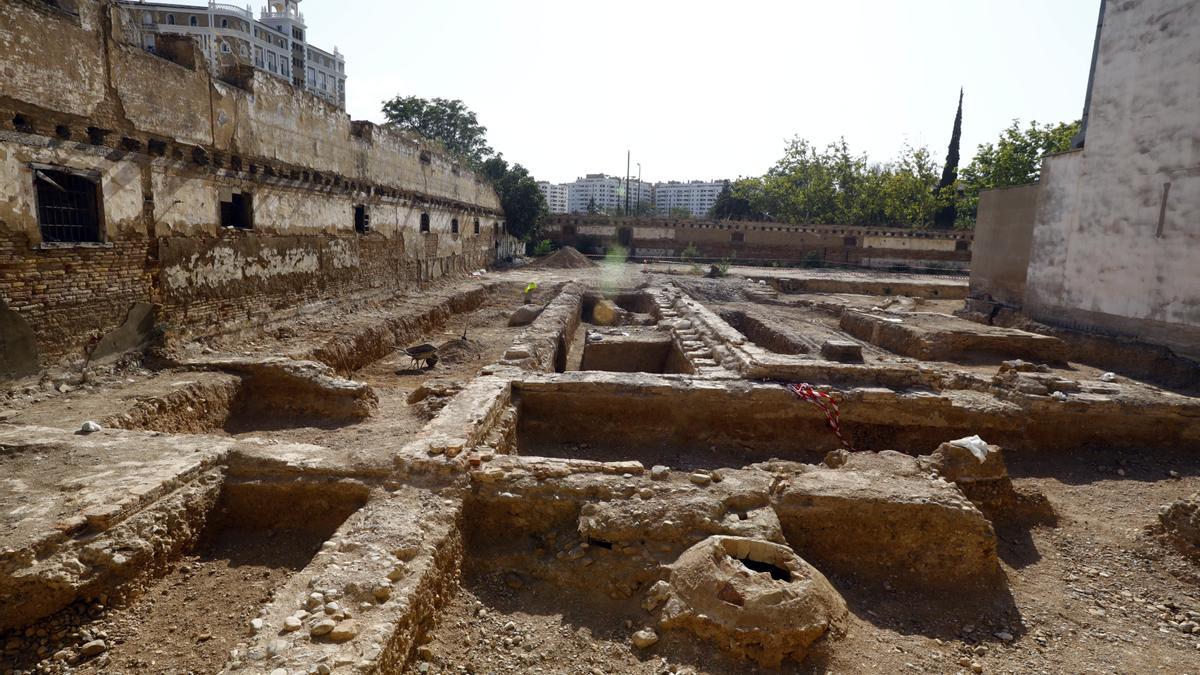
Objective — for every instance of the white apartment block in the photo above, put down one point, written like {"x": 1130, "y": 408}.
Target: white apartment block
{"x": 696, "y": 196}
{"x": 558, "y": 197}
{"x": 607, "y": 191}
{"x": 275, "y": 43}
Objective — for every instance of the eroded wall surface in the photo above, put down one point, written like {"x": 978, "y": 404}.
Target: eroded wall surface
{"x": 1003, "y": 237}
{"x": 167, "y": 141}
{"x": 1116, "y": 240}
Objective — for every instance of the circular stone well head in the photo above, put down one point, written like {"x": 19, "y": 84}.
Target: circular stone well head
{"x": 754, "y": 598}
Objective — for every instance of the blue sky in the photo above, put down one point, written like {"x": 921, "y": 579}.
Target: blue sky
{"x": 706, "y": 89}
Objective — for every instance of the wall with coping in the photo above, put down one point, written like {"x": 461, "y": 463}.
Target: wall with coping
{"x": 749, "y": 241}
{"x": 1114, "y": 249}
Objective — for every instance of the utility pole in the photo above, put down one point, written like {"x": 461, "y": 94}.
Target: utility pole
{"x": 638, "y": 204}
{"x": 627, "y": 156}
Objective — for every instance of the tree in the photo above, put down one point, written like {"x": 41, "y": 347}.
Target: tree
{"x": 734, "y": 201}
{"x": 523, "y": 202}
{"x": 454, "y": 124}
{"x": 909, "y": 195}
{"x": 1014, "y": 159}
{"x": 679, "y": 212}
{"x": 445, "y": 120}
{"x": 592, "y": 209}
{"x": 948, "y": 214}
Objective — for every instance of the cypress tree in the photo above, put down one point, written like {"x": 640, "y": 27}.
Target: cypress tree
{"x": 945, "y": 217}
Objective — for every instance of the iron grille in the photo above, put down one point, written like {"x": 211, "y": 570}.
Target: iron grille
{"x": 68, "y": 207}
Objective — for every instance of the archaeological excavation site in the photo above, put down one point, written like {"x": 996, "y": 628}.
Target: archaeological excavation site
{"x": 280, "y": 394}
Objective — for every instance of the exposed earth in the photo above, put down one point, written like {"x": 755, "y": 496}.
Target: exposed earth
{"x": 344, "y": 509}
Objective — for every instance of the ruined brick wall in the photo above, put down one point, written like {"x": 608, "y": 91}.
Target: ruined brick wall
{"x": 166, "y": 141}
{"x": 767, "y": 242}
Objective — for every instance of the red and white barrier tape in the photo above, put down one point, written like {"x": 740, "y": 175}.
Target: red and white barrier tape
{"x": 825, "y": 403}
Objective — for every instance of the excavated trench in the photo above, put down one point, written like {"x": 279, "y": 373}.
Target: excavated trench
{"x": 210, "y": 557}
{"x": 232, "y": 404}
{"x": 690, "y": 428}
{"x": 764, "y": 335}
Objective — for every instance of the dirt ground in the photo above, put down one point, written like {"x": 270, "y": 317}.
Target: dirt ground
{"x": 394, "y": 377}
{"x": 1098, "y": 592}
{"x": 1090, "y": 595}
{"x": 186, "y": 621}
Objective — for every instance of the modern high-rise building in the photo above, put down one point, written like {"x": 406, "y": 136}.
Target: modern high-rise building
{"x": 607, "y": 192}
{"x": 696, "y": 196}
{"x": 275, "y": 43}
{"x": 558, "y": 196}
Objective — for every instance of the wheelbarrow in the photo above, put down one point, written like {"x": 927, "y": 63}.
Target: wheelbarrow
{"x": 422, "y": 354}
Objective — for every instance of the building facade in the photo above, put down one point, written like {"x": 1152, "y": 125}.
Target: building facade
{"x": 1108, "y": 241}
{"x": 275, "y": 43}
{"x": 558, "y": 196}
{"x": 696, "y": 196}
{"x": 607, "y": 192}
{"x": 219, "y": 206}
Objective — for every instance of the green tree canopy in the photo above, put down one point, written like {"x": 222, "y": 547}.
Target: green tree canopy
{"x": 839, "y": 187}
{"x": 523, "y": 202}
{"x": 454, "y": 124}
{"x": 1014, "y": 159}
{"x": 445, "y": 120}
{"x": 737, "y": 200}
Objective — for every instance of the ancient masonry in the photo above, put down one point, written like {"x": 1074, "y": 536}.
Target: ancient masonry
{"x": 134, "y": 178}
{"x": 312, "y": 465}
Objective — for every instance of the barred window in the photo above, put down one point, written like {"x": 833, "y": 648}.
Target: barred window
{"x": 424, "y": 222}
{"x": 68, "y": 206}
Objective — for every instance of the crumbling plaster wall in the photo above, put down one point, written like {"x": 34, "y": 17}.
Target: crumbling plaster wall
{"x": 1102, "y": 257}
{"x": 167, "y": 141}
{"x": 51, "y": 59}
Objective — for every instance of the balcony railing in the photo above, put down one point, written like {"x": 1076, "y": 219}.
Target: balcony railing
{"x": 268, "y": 14}
{"x": 232, "y": 9}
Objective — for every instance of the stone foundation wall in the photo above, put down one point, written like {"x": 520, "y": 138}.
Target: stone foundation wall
{"x": 166, "y": 141}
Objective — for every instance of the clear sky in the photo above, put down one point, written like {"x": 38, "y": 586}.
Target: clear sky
{"x": 707, "y": 89}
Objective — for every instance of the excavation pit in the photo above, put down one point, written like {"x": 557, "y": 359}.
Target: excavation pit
{"x": 226, "y": 403}
{"x": 184, "y": 611}
{"x": 689, "y": 427}
{"x": 633, "y": 350}
{"x": 764, "y": 335}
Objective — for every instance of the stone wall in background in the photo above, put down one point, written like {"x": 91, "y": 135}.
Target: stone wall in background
{"x": 765, "y": 243}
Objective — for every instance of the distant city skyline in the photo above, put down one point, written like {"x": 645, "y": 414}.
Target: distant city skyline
{"x": 606, "y": 193}
{"x": 723, "y": 89}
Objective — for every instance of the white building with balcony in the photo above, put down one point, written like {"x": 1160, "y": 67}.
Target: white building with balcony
{"x": 558, "y": 197}
{"x": 608, "y": 193}
{"x": 696, "y": 196}
{"x": 275, "y": 43}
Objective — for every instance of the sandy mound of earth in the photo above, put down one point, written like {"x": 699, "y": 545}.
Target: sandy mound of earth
{"x": 565, "y": 258}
